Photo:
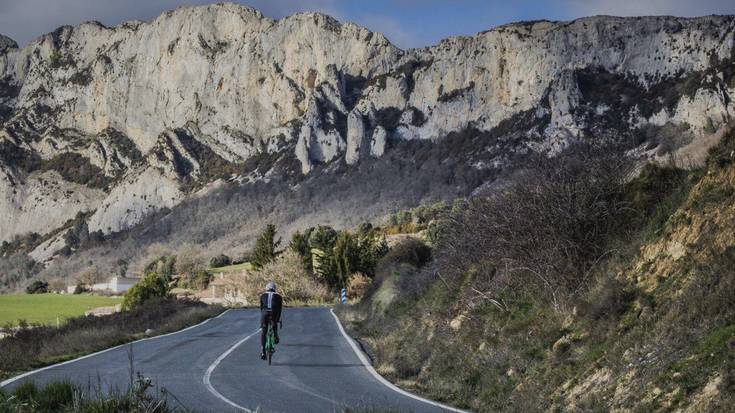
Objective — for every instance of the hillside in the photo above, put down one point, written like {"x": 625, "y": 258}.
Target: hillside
{"x": 192, "y": 130}
{"x": 650, "y": 326}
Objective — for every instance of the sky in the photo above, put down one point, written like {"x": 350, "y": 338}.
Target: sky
{"x": 407, "y": 23}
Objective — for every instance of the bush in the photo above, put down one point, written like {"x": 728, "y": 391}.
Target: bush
{"x": 221, "y": 260}
{"x": 548, "y": 229}
{"x": 149, "y": 287}
{"x": 357, "y": 286}
{"x": 410, "y": 251}
{"x": 197, "y": 280}
{"x": 80, "y": 288}
{"x": 37, "y": 287}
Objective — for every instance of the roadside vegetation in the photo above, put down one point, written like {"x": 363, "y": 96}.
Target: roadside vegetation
{"x": 574, "y": 289}
{"x": 142, "y": 397}
{"x": 67, "y": 397}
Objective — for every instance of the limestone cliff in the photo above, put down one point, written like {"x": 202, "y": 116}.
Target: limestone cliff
{"x": 119, "y": 122}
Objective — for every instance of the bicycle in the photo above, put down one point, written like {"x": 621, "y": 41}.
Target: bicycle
{"x": 270, "y": 341}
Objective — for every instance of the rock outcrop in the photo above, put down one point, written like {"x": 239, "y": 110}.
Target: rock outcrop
{"x": 154, "y": 110}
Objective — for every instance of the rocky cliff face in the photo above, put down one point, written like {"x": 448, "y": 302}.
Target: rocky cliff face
{"x": 117, "y": 123}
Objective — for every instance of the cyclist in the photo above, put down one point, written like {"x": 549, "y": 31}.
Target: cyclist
{"x": 271, "y": 304}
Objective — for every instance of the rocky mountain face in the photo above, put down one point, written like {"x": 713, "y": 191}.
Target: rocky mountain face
{"x": 106, "y": 127}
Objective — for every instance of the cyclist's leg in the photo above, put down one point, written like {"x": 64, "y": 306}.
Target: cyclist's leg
{"x": 264, "y": 320}
{"x": 275, "y": 330}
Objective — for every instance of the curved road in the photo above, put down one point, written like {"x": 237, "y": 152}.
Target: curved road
{"x": 215, "y": 367}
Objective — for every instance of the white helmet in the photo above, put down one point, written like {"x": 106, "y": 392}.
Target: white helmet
{"x": 271, "y": 286}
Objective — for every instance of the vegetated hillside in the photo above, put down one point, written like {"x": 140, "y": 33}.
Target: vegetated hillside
{"x": 642, "y": 320}
{"x": 208, "y": 121}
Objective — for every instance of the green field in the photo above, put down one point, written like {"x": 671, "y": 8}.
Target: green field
{"x": 45, "y": 308}
{"x": 231, "y": 268}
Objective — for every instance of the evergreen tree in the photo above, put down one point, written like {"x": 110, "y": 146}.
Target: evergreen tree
{"x": 300, "y": 245}
{"x": 265, "y": 247}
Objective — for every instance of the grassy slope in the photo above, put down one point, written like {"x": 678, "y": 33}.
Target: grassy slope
{"x": 656, "y": 332}
{"x": 45, "y": 308}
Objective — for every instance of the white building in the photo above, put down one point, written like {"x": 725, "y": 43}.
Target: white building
{"x": 116, "y": 285}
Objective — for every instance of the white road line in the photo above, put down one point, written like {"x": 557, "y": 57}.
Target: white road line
{"x": 16, "y": 378}
{"x": 382, "y": 379}
{"x": 208, "y": 374}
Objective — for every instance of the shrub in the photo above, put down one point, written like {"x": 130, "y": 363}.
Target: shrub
{"x": 197, "y": 280}
{"x": 410, "y": 251}
{"x": 221, "y": 260}
{"x": 37, "y": 287}
{"x": 357, "y": 286}
{"x": 265, "y": 247}
{"x": 150, "y": 286}
{"x": 80, "y": 288}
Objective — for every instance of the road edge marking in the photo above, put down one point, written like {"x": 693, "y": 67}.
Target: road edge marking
{"x": 383, "y": 380}
{"x": 28, "y": 373}
{"x": 208, "y": 374}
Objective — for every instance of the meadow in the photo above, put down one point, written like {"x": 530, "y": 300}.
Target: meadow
{"x": 45, "y": 308}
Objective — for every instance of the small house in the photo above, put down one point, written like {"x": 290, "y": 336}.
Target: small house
{"x": 115, "y": 284}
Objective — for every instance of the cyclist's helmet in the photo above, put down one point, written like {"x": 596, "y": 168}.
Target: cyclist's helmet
{"x": 271, "y": 286}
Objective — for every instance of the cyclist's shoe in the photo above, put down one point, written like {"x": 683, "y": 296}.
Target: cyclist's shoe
{"x": 277, "y": 339}
{"x": 262, "y": 356}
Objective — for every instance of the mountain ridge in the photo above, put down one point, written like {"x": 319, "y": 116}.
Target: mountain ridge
{"x": 119, "y": 123}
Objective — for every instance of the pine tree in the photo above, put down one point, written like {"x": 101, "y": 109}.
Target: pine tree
{"x": 265, "y": 247}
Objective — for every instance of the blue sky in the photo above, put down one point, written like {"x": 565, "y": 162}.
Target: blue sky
{"x": 407, "y": 23}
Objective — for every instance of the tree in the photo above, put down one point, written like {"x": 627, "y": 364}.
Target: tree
{"x": 346, "y": 255}
{"x": 323, "y": 237}
{"x": 300, "y": 245}
{"x": 265, "y": 247}
{"x": 37, "y": 287}
{"x": 90, "y": 276}
{"x": 164, "y": 266}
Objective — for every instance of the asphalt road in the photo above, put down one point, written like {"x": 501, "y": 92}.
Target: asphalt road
{"x": 215, "y": 367}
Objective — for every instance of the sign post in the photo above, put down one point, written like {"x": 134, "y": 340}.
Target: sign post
{"x": 343, "y": 296}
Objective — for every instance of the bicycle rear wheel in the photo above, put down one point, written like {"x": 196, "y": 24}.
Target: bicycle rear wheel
{"x": 270, "y": 357}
